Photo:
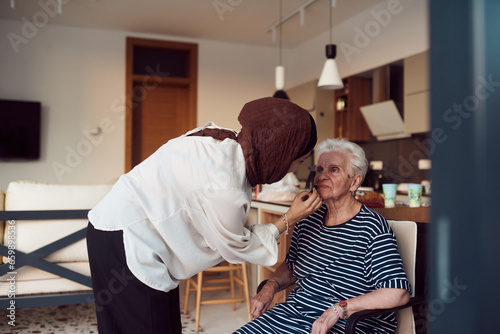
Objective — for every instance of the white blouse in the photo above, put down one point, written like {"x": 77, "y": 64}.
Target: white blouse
{"x": 183, "y": 210}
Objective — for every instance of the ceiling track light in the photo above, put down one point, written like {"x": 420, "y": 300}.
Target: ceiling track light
{"x": 300, "y": 10}
{"x": 330, "y": 77}
{"x": 280, "y": 69}
{"x": 59, "y": 5}
{"x": 302, "y": 16}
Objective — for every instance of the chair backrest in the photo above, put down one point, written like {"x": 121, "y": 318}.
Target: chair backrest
{"x": 406, "y": 236}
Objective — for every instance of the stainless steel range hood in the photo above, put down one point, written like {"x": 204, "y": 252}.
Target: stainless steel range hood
{"x": 384, "y": 120}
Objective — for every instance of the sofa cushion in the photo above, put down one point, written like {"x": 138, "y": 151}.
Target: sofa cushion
{"x": 33, "y": 234}
{"x": 31, "y": 280}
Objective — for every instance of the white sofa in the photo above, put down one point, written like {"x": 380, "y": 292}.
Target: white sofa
{"x": 31, "y": 235}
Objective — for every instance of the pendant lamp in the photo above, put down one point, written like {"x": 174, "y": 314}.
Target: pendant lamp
{"x": 330, "y": 77}
{"x": 280, "y": 69}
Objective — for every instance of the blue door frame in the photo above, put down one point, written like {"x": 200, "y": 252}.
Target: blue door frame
{"x": 464, "y": 246}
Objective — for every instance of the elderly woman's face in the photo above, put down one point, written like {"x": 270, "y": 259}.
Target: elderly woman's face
{"x": 333, "y": 176}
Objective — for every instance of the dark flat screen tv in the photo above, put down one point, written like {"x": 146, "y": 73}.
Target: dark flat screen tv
{"x": 20, "y": 130}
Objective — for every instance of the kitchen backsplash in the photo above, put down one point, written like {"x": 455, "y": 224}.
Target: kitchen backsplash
{"x": 399, "y": 157}
{"x": 400, "y": 160}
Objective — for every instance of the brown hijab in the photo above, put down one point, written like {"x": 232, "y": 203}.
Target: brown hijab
{"x": 274, "y": 132}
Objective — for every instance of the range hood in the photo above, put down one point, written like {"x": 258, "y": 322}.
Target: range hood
{"x": 384, "y": 120}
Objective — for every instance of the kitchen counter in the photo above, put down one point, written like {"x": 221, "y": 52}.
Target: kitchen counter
{"x": 399, "y": 212}
{"x": 277, "y": 206}
{"x": 402, "y": 212}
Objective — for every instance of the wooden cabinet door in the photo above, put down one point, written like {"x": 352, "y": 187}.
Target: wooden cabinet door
{"x": 283, "y": 246}
{"x": 417, "y": 93}
{"x": 349, "y": 122}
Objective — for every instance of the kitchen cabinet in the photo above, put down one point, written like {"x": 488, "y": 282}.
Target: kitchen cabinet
{"x": 349, "y": 123}
{"x": 319, "y": 102}
{"x": 283, "y": 246}
{"x": 400, "y": 212}
{"x": 324, "y": 114}
{"x": 416, "y": 93}
{"x": 266, "y": 213}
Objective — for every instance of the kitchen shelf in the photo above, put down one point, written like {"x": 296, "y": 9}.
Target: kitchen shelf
{"x": 349, "y": 123}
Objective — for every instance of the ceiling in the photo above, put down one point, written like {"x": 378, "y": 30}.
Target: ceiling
{"x": 235, "y": 21}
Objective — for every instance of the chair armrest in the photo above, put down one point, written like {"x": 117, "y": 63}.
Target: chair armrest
{"x": 353, "y": 319}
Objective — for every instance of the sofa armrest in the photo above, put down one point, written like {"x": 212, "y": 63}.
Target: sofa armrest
{"x": 36, "y": 257}
{"x": 43, "y": 214}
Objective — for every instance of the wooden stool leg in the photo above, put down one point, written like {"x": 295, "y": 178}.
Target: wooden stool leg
{"x": 238, "y": 275}
{"x": 231, "y": 280}
{"x": 247, "y": 292}
{"x": 198, "y": 301}
{"x": 186, "y": 297}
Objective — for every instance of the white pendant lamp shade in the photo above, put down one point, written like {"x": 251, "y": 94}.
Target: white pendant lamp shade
{"x": 330, "y": 77}
{"x": 280, "y": 77}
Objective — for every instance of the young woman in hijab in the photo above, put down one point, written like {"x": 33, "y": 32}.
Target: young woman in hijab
{"x": 183, "y": 210}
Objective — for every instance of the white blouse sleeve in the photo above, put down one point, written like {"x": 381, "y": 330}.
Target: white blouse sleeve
{"x": 220, "y": 216}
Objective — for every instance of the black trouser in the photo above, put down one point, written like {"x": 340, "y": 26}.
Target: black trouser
{"x": 123, "y": 303}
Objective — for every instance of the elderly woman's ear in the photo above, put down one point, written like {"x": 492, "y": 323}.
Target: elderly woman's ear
{"x": 356, "y": 182}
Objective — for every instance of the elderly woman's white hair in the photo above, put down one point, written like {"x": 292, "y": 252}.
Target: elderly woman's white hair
{"x": 358, "y": 161}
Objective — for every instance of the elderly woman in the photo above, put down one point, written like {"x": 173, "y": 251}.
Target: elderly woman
{"x": 183, "y": 210}
{"x": 343, "y": 258}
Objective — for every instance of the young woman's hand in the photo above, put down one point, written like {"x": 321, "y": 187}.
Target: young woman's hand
{"x": 303, "y": 205}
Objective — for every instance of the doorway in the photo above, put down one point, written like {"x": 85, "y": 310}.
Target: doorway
{"x": 161, "y": 90}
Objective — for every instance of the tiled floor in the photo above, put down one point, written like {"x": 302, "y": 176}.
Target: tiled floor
{"x": 217, "y": 319}
{"x": 73, "y": 319}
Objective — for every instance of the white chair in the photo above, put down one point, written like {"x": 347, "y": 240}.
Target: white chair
{"x": 406, "y": 236}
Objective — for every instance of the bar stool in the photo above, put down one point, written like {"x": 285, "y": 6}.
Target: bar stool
{"x": 235, "y": 274}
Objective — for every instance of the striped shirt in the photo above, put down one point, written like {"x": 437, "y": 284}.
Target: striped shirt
{"x": 335, "y": 263}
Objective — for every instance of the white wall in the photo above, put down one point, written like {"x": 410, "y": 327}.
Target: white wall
{"x": 79, "y": 76}
{"x": 229, "y": 76}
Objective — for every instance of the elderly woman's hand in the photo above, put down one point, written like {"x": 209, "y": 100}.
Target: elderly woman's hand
{"x": 261, "y": 302}
{"x": 303, "y": 205}
{"x": 326, "y": 321}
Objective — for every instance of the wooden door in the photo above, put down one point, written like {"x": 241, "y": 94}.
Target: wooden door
{"x": 161, "y": 95}
{"x": 158, "y": 118}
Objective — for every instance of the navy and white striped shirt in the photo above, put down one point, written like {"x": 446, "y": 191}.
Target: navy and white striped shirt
{"x": 331, "y": 264}
{"x": 335, "y": 263}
